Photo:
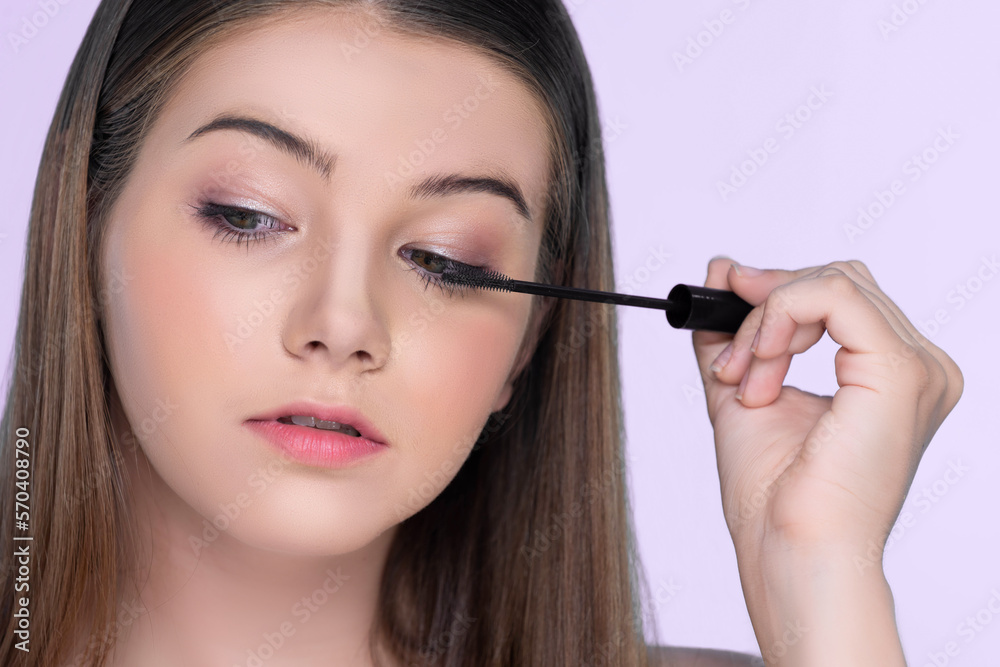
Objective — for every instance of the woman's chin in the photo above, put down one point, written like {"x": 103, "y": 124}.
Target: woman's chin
{"x": 309, "y": 535}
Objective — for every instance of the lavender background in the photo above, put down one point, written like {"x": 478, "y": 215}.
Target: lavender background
{"x": 688, "y": 93}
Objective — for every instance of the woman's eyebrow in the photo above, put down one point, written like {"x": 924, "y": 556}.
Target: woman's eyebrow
{"x": 298, "y": 147}
{"x": 307, "y": 151}
{"x": 440, "y": 185}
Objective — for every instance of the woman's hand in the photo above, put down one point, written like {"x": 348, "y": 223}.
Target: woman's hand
{"x": 809, "y": 474}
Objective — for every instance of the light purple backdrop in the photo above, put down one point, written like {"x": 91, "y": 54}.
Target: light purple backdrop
{"x": 825, "y": 108}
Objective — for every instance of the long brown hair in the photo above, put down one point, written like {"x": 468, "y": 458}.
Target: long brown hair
{"x": 526, "y": 558}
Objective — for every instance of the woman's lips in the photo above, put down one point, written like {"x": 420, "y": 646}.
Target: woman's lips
{"x": 312, "y": 422}
{"x": 314, "y": 446}
{"x": 342, "y": 414}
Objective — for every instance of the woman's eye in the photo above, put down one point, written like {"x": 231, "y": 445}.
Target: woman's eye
{"x": 238, "y": 218}
{"x": 237, "y": 224}
{"x": 432, "y": 266}
{"x": 430, "y": 261}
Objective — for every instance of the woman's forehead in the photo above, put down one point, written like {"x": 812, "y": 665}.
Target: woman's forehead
{"x": 374, "y": 97}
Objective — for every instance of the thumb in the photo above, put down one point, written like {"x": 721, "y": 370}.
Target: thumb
{"x": 709, "y": 344}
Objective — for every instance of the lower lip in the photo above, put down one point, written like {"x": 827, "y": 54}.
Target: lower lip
{"x": 316, "y": 447}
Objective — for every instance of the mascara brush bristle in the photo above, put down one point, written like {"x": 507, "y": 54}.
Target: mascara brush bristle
{"x": 479, "y": 278}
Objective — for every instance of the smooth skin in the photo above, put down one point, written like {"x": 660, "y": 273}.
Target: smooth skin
{"x": 250, "y": 548}
{"x": 810, "y": 484}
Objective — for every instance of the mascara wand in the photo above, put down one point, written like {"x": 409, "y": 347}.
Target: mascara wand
{"x": 686, "y": 306}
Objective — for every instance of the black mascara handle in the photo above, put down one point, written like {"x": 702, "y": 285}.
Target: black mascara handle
{"x": 705, "y": 308}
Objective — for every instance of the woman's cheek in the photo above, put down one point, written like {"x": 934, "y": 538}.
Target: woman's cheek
{"x": 455, "y": 369}
{"x": 453, "y": 374}
{"x": 169, "y": 359}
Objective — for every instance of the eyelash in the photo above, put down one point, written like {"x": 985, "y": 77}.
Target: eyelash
{"x": 434, "y": 279}
{"x": 213, "y": 215}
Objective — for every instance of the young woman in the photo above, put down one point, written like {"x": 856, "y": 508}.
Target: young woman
{"x": 257, "y": 429}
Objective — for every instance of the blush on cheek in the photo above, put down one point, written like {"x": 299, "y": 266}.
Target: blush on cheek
{"x": 165, "y": 337}
{"x": 489, "y": 348}
{"x": 462, "y": 364}
{"x": 165, "y": 329}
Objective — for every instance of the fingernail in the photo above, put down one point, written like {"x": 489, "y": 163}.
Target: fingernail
{"x": 756, "y": 339}
{"x": 743, "y": 385}
{"x": 719, "y": 257}
{"x": 746, "y": 271}
{"x": 721, "y": 360}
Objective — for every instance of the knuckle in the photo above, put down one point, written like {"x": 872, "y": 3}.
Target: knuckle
{"x": 839, "y": 282}
{"x": 857, "y": 265}
{"x": 955, "y": 380}
{"x": 753, "y": 321}
{"x": 922, "y": 375}
{"x": 775, "y": 303}
{"x": 934, "y": 376}
{"x": 862, "y": 269}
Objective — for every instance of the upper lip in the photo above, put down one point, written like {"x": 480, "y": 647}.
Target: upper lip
{"x": 337, "y": 413}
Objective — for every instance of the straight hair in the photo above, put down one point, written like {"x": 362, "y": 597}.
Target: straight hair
{"x": 527, "y": 558}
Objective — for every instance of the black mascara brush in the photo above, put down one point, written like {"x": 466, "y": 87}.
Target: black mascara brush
{"x": 686, "y": 306}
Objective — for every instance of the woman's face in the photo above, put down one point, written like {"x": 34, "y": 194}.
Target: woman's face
{"x": 326, "y": 302}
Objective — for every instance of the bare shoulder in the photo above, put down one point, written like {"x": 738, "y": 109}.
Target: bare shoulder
{"x": 683, "y": 656}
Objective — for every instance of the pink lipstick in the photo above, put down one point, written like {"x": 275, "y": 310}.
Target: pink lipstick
{"x": 319, "y": 435}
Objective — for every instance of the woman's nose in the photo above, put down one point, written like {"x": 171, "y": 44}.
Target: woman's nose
{"x": 335, "y": 314}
